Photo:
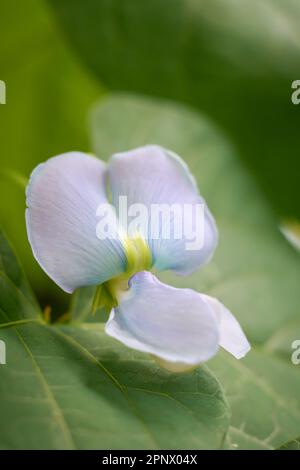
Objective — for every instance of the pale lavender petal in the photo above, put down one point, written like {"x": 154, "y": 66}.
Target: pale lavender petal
{"x": 175, "y": 325}
{"x": 63, "y": 195}
{"x": 150, "y": 176}
{"x": 232, "y": 337}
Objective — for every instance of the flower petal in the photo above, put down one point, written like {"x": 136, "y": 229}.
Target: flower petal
{"x": 62, "y": 198}
{"x": 175, "y": 325}
{"x": 151, "y": 176}
{"x": 232, "y": 337}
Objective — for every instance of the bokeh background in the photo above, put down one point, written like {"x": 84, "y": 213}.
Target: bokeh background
{"x": 233, "y": 61}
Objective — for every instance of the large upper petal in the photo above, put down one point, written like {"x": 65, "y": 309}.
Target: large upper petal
{"x": 63, "y": 195}
{"x": 175, "y": 325}
{"x": 152, "y": 175}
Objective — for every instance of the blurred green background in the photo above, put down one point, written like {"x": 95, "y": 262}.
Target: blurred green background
{"x": 49, "y": 94}
{"x": 234, "y": 60}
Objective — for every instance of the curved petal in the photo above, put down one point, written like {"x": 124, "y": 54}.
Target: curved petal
{"x": 232, "y": 337}
{"x": 175, "y": 325}
{"x": 181, "y": 231}
{"x": 63, "y": 195}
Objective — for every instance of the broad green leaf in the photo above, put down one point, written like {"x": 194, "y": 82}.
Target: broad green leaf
{"x": 292, "y": 445}
{"x": 238, "y": 439}
{"x": 17, "y": 301}
{"x": 282, "y": 340}
{"x": 263, "y": 392}
{"x": 254, "y": 272}
{"x": 234, "y": 59}
{"x": 10, "y": 267}
{"x": 75, "y": 388}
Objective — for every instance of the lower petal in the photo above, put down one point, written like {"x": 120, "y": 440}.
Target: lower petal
{"x": 175, "y": 325}
{"x": 232, "y": 337}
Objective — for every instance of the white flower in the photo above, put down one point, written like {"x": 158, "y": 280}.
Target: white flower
{"x": 181, "y": 328}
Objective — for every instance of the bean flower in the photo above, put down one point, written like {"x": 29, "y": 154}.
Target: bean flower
{"x": 180, "y": 328}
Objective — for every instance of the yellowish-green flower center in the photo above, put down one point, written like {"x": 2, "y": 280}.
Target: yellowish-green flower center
{"x": 138, "y": 258}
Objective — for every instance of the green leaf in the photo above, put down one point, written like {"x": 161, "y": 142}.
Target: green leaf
{"x": 292, "y": 445}
{"x": 263, "y": 392}
{"x": 238, "y": 439}
{"x": 17, "y": 301}
{"x": 254, "y": 272}
{"x": 73, "y": 387}
{"x": 281, "y": 342}
{"x": 9, "y": 266}
{"x": 234, "y": 60}
{"x": 65, "y": 388}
